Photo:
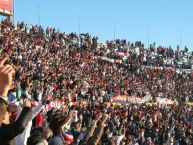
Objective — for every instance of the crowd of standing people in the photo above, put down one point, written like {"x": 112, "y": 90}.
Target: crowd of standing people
{"x": 39, "y": 66}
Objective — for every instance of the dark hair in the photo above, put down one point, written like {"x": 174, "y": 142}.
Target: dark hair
{"x": 106, "y": 128}
{"x": 57, "y": 122}
{"x": 50, "y": 115}
{"x": 35, "y": 138}
{"x": 39, "y": 129}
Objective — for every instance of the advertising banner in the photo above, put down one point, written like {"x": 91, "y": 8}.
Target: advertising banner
{"x": 6, "y": 7}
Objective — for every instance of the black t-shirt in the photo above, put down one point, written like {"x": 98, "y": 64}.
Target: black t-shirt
{"x": 75, "y": 132}
{"x": 105, "y": 138}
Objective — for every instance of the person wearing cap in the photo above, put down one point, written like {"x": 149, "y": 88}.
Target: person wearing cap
{"x": 68, "y": 137}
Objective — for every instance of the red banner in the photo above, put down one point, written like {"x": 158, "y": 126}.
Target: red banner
{"x": 6, "y": 6}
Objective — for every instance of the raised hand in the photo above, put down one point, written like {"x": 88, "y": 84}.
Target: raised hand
{"x": 6, "y": 77}
{"x": 98, "y": 117}
{"x": 27, "y": 103}
{"x": 2, "y": 62}
{"x": 48, "y": 97}
{"x": 104, "y": 118}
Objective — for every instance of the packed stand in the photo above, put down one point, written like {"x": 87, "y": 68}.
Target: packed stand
{"x": 39, "y": 66}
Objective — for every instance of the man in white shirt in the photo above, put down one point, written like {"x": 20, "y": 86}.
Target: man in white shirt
{"x": 21, "y": 139}
{"x": 118, "y": 137}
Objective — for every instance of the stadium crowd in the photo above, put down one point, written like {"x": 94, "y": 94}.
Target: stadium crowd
{"x": 40, "y": 66}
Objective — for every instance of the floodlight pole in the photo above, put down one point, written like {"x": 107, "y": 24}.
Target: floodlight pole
{"x": 180, "y": 39}
{"x": 13, "y": 17}
{"x": 114, "y": 30}
{"x": 38, "y": 13}
{"x": 79, "y": 24}
{"x": 148, "y": 37}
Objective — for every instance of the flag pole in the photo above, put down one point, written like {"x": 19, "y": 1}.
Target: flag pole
{"x": 13, "y": 11}
{"x": 38, "y": 13}
{"x": 114, "y": 30}
{"x": 180, "y": 39}
{"x": 148, "y": 36}
{"x": 79, "y": 24}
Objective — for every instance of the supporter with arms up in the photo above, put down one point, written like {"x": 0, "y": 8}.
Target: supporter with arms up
{"x": 93, "y": 135}
{"x": 9, "y": 130}
{"x": 60, "y": 124}
{"x": 21, "y": 139}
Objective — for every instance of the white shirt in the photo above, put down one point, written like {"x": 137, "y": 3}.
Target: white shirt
{"x": 21, "y": 139}
{"x": 118, "y": 139}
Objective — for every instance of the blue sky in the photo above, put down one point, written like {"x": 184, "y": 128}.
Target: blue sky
{"x": 165, "y": 19}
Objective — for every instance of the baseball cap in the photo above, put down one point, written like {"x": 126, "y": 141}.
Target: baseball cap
{"x": 68, "y": 136}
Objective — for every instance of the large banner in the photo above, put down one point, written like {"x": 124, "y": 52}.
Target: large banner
{"x": 130, "y": 99}
{"x": 53, "y": 104}
{"x": 170, "y": 69}
{"x": 6, "y": 7}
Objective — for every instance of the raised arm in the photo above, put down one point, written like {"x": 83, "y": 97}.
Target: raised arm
{"x": 99, "y": 131}
{"x": 90, "y": 131}
{"x": 6, "y": 78}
